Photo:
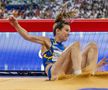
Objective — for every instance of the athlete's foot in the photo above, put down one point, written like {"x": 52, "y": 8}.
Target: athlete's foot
{"x": 88, "y": 70}
{"x": 78, "y": 72}
{"x": 84, "y": 74}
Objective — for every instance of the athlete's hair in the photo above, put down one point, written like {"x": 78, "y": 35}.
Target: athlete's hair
{"x": 59, "y": 23}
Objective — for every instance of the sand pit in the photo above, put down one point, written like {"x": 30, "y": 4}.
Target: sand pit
{"x": 100, "y": 80}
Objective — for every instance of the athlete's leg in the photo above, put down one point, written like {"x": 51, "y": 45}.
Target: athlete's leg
{"x": 70, "y": 56}
{"x": 90, "y": 57}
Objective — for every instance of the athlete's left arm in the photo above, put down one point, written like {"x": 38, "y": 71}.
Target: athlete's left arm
{"x": 102, "y": 62}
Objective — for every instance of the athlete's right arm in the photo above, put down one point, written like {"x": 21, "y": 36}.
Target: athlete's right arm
{"x": 25, "y": 35}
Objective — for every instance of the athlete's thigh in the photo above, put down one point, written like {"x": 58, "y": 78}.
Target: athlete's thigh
{"x": 64, "y": 60}
{"x": 85, "y": 53}
{"x": 66, "y": 54}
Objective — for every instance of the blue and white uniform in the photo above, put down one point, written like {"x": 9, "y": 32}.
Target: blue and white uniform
{"x": 51, "y": 55}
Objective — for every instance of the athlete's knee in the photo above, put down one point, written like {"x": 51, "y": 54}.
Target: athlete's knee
{"x": 75, "y": 44}
{"x": 93, "y": 45}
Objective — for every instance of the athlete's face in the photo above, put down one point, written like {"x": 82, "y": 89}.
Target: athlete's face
{"x": 64, "y": 33}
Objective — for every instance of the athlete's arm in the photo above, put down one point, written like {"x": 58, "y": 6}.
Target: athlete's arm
{"x": 25, "y": 35}
{"x": 102, "y": 62}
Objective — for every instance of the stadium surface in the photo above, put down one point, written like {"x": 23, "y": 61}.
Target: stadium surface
{"x": 97, "y": 82}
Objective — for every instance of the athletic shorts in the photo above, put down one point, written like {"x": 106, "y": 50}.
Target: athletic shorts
{"x": 49, "y": 72}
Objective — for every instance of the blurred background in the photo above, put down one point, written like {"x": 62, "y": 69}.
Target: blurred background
{"x": 49, "y": 9}
{"x": 19, "y": 54}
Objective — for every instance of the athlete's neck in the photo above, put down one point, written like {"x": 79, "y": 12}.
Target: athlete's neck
{"x": 58, "y": 40}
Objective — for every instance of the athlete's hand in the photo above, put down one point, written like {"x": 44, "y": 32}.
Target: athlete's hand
{"x": 103, "y": 62}
{"x": 13, "y": 20}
